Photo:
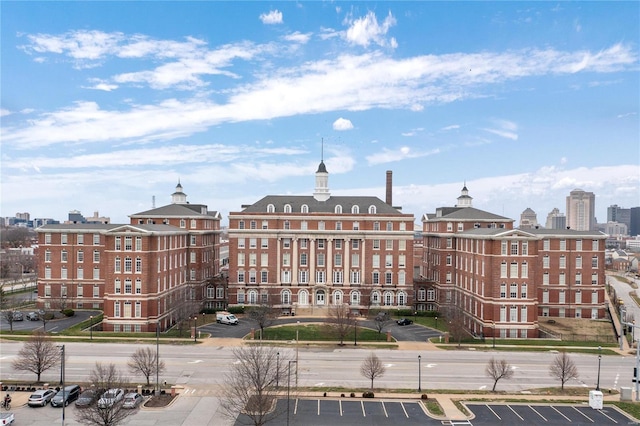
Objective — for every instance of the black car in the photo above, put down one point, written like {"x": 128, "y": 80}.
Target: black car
{"x": 65, "y": 396}
{"x": 404, "y": 321}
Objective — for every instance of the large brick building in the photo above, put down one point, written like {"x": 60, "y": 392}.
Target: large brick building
{"x": 303, "y": 254}
{"x": 159, "y": 269}
{"x": 502, "y": 279}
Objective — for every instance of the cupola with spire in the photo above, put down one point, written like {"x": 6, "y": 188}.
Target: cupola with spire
{"x": 178, "y": 197}
{"x": 322, "y": 180}
{"x": 464, "y": 200}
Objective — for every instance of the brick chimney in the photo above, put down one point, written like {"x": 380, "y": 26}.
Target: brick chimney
{"x": 389, "y": 188}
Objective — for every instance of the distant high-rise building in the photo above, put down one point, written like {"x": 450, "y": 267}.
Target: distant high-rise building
{"x": 528, "y": 219}
{"x": 581, "y": 207}
{"x": 556, "y": 220}
{"x": 23, "y": 216}
{"x": 634, "y": 221}
{"x": 619, "y": 214}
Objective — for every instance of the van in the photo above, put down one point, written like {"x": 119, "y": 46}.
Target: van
{"x": 226, "y": 318}
{"x": 66, "y": 396}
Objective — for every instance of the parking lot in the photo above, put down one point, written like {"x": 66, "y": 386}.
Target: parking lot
{"x": 529, "y": 414}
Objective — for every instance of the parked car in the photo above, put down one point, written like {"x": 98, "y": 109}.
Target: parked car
{"x": 404, "y": 321}
{"x": 110, "y": 397}
{"x": 226, "y": 318}
{"x": 41, "y": 397}
{"x": 132, "y": 400}
{"x": 18, "y": 316}
{"x": 7, "y": 418}
{"x": 66, "y": 396}
{"x": 33, "y": 316}
{"x": 86, "y": 398}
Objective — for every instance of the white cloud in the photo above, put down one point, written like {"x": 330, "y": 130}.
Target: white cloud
{"x": 629, "y": 114}
{"x": 104, "y": 87}
{"x": 402, "y": 153}
{"x": 506, "y": 129}
{"x": 366, "y": 30}
{"x": 342, "y": 124}
{"x": 273, "y": 17}
{"x": 451, "y": 127}
{"x": 4, "y": 112}
{"x": 298, "y": 37}
{"x": 347, "y": 83}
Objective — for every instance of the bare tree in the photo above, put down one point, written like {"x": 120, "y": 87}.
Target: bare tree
{"x": 104, "y": 377}
{"x": 372, "y": 368}
{"x": 8, "y": 314}
{"x": 498, "y": 369}
{"x": 7, "y": 307}
{"x": 37, "y": 355}
{"x": 455, "y": 318}
{"x": 250, "y": 387}
{"x": 264, "y": 315}
{"x": 146, "y": 362}
{"x": 381, "y": 320}
{"x": 563, "y": 368}
{"x": 340, "y": 321}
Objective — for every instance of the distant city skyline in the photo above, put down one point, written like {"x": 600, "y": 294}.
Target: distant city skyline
{"x": 102, "y": 110}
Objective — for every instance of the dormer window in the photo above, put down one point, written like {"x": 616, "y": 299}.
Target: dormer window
{"x": 304, "y": 209}
{"x": 338, "y": 209}
{"x": 355, "y": 210}
{"x": 287, "y": 208}
{"x": 372, "y": 209}
{"x": 271, "y": 208}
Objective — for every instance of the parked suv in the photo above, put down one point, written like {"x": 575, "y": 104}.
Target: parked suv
{"x": 66, "y": 396}
{"x": 41, "y": 397}
{"x": 18, "y": 316}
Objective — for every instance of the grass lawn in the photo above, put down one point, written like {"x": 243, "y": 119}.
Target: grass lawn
{"x": 320, "y": 332}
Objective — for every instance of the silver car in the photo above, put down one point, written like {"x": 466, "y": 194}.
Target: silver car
{"x": 110, "y": 397}
{"x": 132, "y": 400}
{"x": 41, "y": 397}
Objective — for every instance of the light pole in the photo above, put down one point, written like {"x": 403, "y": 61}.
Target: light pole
{"x": 493, "y": 333}
{"x": 195, "y": 328}
{"x": 91, "y": 328}
{"x": 158, "y": 358}
{"x": 355, "y": 331}
{"x": 62, "y": 380}
{"x": 297, "y": 349}
{"x": 289, "y": 388}
{"x": 277, "y": 370}
{"x": 419, "y": 373}
{"x": 599, "y": 360}
{"x": 436, "y": 322}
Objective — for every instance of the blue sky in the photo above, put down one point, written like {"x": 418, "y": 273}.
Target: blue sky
{"x": 107, "y": 104}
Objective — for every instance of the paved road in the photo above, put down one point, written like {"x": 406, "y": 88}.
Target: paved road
{"x": 53, "y": 326}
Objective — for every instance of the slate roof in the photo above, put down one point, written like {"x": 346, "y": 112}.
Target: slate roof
{"x": 468, "y": 213}
{"x": 180, "y": 210}
{"x": 296, "y": 202}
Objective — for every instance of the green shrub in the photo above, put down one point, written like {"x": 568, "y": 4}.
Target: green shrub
{"x": 236, "y": 310}
{"x": 367, "y": 394}
{"x": 68, "y": 312}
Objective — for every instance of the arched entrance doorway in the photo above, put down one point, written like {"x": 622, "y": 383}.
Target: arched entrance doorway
{"x": 320, "y": 297}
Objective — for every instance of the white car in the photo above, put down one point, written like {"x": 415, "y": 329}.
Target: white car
{"x": 41, "y": 397}
{"x": 111, "y": 397}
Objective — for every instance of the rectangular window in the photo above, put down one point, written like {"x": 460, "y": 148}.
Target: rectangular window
{"x": 376, "y": 244}
{"x": 376, "y": 226}
{"x": 563, "y": 262}
{"x": 320, "y": 259}
{"x": 96, "y": 291}
{"x": 303, "y": 259}
{"x": 47, "y": 255}
{"x": 388, "y": 261}
{"x": 523, "y": 291}
{"x": 338, "y": 276}
{"x": 303, "y": 277}
{"x": 192, "y": 240}
{"x": 545, "y": 245}
{"x": 513, "y": 291}
{"x": 503, "y": 291}
{"x": 355, "y": 277}
{"x": 47, "y": 238}
{"x": 286, "y": 243}
{"x": 252, "y": 224}
{"x": 389, "y": 226}
{"x": 321, "y": 225}
{"x": 264, "y": 259}
{"x": 449, "y": 243}
{"x": 503, "y": 248}
{"x": 402, "y": 245}
{"x": 524, "y": 270}
{"x": 264, "y": 243}
{"x": 578, "y": 297}
{"x": 513, "y": 270}
{"x": 117, "y": 286}
{"x": 80, "y": 239}
{"x": 525, "y": 248}
{"x": 192, "y": 257}
{"x": 128, "y": 286}
{"x": 128, "y": 264}
{"x": 285, "y": 276}
{"x": 561, "y": 297}
{"x": 138, "y": 243}
{"x": 337, "y": 259}
{"x": 63, "y": 239}
{"x": 375, "y": 261}
{"x": 338, "y": 226}
{"x": 241, "y": 224}
{"x": 579, "y": 262}
{"x": 388, "y": 278}
{"x": 80, "y": 291}
{"x": 375, "y": 278}
{"x": 240, "y": 276}
{"x": 253, "y": 259}
{"x": 594, "y": 279}
{"x": 96, "y": 239}
{"x": 252, "y": 277}
{"x": 63, "y": 273}
{"x": 594, "y": 245}
{"x": 514, "y": 248}
{"x": 303, "y": 243}
{"x": 356, "y": 226}
{"x": 264, "y": 276}
{"x": 578, "y": 245}
{"x": 63, "y": 256}
{"x": 253, "y": 243}
{"x": 240, "y": 259}
{"x": 563, "y": 245}
{"x": 594, "y": 262}
{"x": 116, "y": 309}
{"x": 265, "y": 224}
{"x": 545, "y": 262}
{"x": 286, "y": 259}
{"x": 118, "y": 244}
{"x": 304, "y": 225}
{"x": 96, "y": 273}
{"x": 401, "y": 261}
{"x": 128, "y": 244}
{"x": 355, "y": 244}
{"x": 320, "y": 242}
{"x": 96, "y": 256}
{"x": 355, "y": 260}
{"x": 240, "y": 243}
{"x": 503, "y": 270}
{"x": 138, "y": 311}
{"x": 321, "y": 277}
{"x": 561, "y": 279}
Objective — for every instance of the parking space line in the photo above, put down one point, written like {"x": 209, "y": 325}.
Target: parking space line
{"x": 514, "y": 412}
{"x": 610, "y": 418}
{"x": 494, "y": 413}
{"x": 587, "y": 417}
{"x": 536, "y": 411}
{"x": 558, "y": 411}
{"x": 384, "y": 409}
{"x": 318, "y": 407}
{"x": 364, "y": 413}
{"x": 295, "y": 406}
{"x": 403, "y": 409}
{"x": 340, "y": 405}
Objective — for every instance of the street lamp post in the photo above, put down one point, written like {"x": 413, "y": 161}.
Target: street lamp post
{"x": 158, "y": 358}
{"x": 195, "y": 328}
{"x": 91, "y": 328}
{"x": 289, "y": 388}
{"x": 419, "y": 373}
{"x": 436, "y": 322}
{"x": 355, "y": 331}
{"x": 599, "y": 360}
{"x": 277, "y": 370}
{"x": 62, "y": 355}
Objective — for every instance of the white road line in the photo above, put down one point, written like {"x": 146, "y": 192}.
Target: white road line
{"x": 384, "y": 409}
{"x": 514, "y": 412}
{"x": 536, "y": 411}
{"x": 558, "y": 411}
{"x": 403, "y": 409}
{"x": 580, "y": 411}
{"x": 610, "y": 418}
{"x": 364, "y": 413}
{"x": 340, "y": 404}
{"x": 494, "y": 413}
{"x": 318, "y": 407}
{"x": 295, "y": 407}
